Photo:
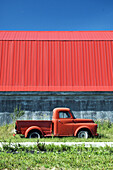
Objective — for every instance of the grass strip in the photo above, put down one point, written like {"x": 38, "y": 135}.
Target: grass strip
{"x": 57, "y": 157}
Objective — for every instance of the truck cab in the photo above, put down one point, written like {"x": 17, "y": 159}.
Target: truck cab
{"x": 65, "y": 124}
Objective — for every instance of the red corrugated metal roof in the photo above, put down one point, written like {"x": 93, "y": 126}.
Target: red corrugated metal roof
{"x": 56, "y": 65}
{"x": 56, "y": 35}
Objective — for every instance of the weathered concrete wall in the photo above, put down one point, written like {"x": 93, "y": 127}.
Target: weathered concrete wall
{"x": 39, "y": 105}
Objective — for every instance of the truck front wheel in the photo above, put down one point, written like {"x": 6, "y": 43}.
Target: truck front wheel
{"x": 34, "y": 134}
{"x": 83, "y": 134}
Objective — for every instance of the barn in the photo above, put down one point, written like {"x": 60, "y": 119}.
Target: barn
{"x": 41, "y": 70}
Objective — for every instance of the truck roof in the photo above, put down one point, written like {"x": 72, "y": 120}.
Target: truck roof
{"x": 61, "y": 108}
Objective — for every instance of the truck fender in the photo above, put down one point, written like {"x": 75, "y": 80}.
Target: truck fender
{"x": 32, "y": 128}
{"x": 82, "y": 127}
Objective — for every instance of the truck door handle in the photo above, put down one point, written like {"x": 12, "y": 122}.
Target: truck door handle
{"x": 60, "y": 121}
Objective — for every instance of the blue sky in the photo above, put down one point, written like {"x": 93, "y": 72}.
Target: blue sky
{"x": 56, "y": 15}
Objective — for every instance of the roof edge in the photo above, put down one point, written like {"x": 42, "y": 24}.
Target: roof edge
{"x": 56, "y": 35}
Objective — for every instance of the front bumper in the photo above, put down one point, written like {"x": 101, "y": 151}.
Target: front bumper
{"x": 97, "y": 134}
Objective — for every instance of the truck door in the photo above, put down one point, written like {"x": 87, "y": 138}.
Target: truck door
{"x": 65, "y": 124}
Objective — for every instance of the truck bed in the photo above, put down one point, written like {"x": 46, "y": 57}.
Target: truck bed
{"x": 45, "y": 125}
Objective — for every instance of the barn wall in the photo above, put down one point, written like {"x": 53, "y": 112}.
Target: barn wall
{"x": 39, "y": 105}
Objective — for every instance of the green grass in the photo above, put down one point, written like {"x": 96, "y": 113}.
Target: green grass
{"x": 57, "y": 157}
{"x": 105, "y": 131}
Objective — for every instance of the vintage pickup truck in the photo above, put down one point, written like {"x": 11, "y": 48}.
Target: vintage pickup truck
{"x": 63, "y": 123}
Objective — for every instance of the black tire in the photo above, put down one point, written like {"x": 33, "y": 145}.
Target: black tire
{"x": 34, "y": 134}
{"x": 83, "y": 134}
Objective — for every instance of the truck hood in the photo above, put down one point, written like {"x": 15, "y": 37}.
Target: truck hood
{"x": 83, "y": 121}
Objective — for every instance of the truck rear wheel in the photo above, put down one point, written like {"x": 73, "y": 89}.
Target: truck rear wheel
{"x": 83, "y": 134}
{"x": 34, "y": 135}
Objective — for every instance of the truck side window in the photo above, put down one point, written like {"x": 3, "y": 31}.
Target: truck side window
{"x": 64, "y": 114}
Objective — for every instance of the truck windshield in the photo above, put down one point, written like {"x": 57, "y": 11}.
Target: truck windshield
{"x": 72, "y": 114}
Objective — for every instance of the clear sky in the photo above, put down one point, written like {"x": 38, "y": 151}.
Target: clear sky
{"x": 56, "y": 15}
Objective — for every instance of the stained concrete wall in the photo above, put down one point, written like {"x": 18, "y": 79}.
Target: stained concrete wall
{"x": 39, "y": 105}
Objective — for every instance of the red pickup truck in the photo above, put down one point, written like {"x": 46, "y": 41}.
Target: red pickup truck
{"x": 63, "y": 123}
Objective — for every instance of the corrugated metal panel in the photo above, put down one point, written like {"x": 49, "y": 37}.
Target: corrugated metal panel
{"x": 56, "y": 35}
{"x": 56, "y": 65}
